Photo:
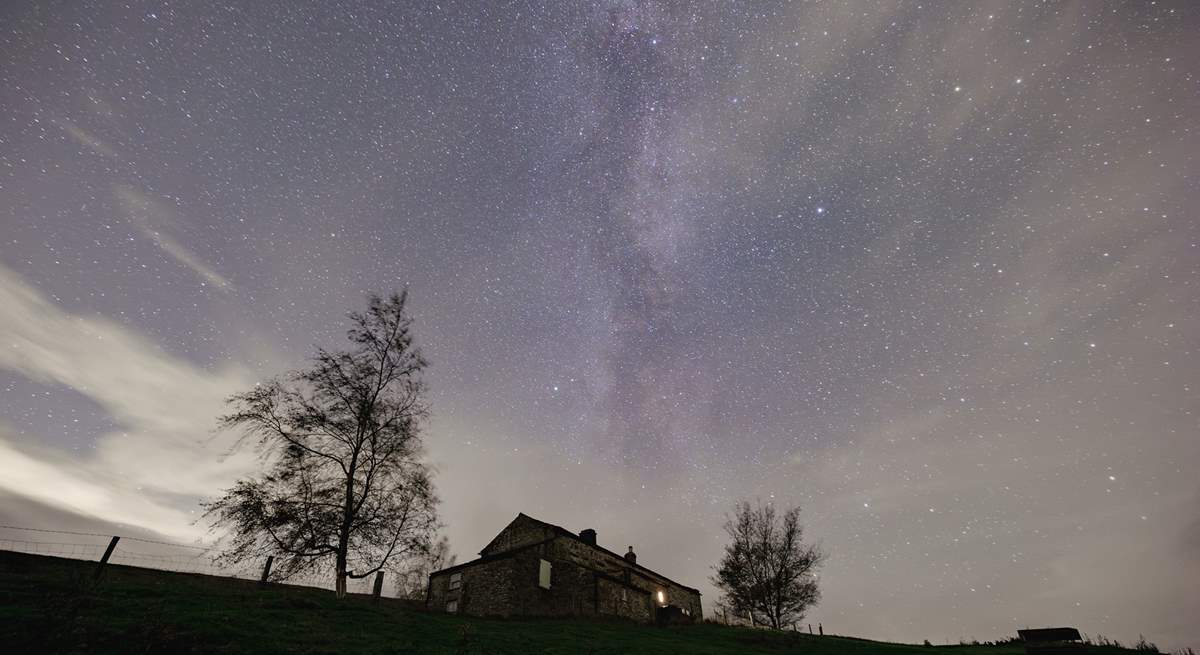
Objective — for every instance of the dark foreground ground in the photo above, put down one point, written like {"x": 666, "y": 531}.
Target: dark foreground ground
{"x": 49, "y": 605}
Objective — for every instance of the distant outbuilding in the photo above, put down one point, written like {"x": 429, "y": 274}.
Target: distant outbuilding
{"x": 1052, "y": 641}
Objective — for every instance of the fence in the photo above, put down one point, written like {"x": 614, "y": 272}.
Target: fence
{"x": 151, "y": 554}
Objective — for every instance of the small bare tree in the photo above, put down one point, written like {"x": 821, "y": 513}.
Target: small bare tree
{"x": 768, "y": 572}
{"x": 413, "y": 580}
{"x": 345, "y": 481}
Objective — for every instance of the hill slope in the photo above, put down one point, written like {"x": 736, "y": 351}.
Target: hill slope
{"x": 48, "y": 605}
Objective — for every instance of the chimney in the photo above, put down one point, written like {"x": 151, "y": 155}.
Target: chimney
{"x": 588, "y": 536}
{"x": 631, "y": 556}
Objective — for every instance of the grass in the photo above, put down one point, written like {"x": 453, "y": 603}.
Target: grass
{"x": 52, "y": 605}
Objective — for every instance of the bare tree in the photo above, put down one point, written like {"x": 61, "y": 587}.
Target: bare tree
{"x": 345, "y": 480}
{"x": 768, "y": 572}
{"x": 413, "y": 579}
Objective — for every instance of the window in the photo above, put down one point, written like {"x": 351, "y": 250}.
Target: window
{"x": 452, "y": 606}
{"x": 544, "y": 574}
{"x": 662, "y": 597}
{"x": 455, "y": 581}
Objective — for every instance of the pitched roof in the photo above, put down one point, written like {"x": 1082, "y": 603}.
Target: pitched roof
{"x": 562, "y": 532}
{"x": 522, "y": 515}
{"x": 490, "y": 558}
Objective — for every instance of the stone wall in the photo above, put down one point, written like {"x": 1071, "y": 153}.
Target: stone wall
{"x": 486, "y": 589}
{"x": 508, "y": 586}
{"x": 571, "y": 589}
{"x": 623, "y": 600}
{"x": 615, "y": 566}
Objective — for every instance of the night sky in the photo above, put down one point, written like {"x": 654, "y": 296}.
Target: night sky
{"x": 930, "y": 270}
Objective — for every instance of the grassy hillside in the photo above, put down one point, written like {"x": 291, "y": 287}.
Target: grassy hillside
{"x": 49, "y": 605}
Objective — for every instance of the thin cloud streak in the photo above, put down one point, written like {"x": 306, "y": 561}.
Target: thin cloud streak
{"x": 152, "y": 218}
{"x": 86, "y": 139}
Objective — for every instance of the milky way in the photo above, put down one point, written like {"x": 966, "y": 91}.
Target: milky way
{"x": 930, "y": 270}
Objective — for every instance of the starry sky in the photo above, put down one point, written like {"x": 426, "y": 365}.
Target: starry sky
{"x": 929, "y": 269}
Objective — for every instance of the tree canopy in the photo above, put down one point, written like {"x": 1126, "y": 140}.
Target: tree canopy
{"x": 345, "y": 482}
{"x": 768, "y": 572}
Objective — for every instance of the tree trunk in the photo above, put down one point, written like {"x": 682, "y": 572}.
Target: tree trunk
{"x": 340, "y": 585}
{"x": 344, "y": 532}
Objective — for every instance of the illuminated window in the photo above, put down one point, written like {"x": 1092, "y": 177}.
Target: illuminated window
{"x": 662, "y": 597}
{"x": 544, "y": 574}
{"x": 452, "y": 606}
{"x": 455, "y": 581}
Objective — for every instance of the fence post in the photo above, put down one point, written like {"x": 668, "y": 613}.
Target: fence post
{"x": 378, "y": 587}
{"x": 112, "y": 545}
{"x": 266, "y": 569}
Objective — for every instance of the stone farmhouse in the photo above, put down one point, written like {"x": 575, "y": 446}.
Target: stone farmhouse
{"x": 533, "y": 568}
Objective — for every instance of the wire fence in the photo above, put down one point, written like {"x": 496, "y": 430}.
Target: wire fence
{"x": 152, "y": 554}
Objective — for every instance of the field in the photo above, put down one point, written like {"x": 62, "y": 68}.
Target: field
{"x": 51, "y": 605}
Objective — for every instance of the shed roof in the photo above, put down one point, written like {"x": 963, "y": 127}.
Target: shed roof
{"x": 1036, "y": 635}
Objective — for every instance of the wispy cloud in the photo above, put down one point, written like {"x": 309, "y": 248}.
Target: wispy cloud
{"x": 148, "y": 472}
{"x": 153, "y": 218}
{"x": 85, "y": 138}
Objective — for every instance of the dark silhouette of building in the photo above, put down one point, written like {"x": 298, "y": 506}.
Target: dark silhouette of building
{"x": 533, "y": 568}
{"x": 1051, "y": 641}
